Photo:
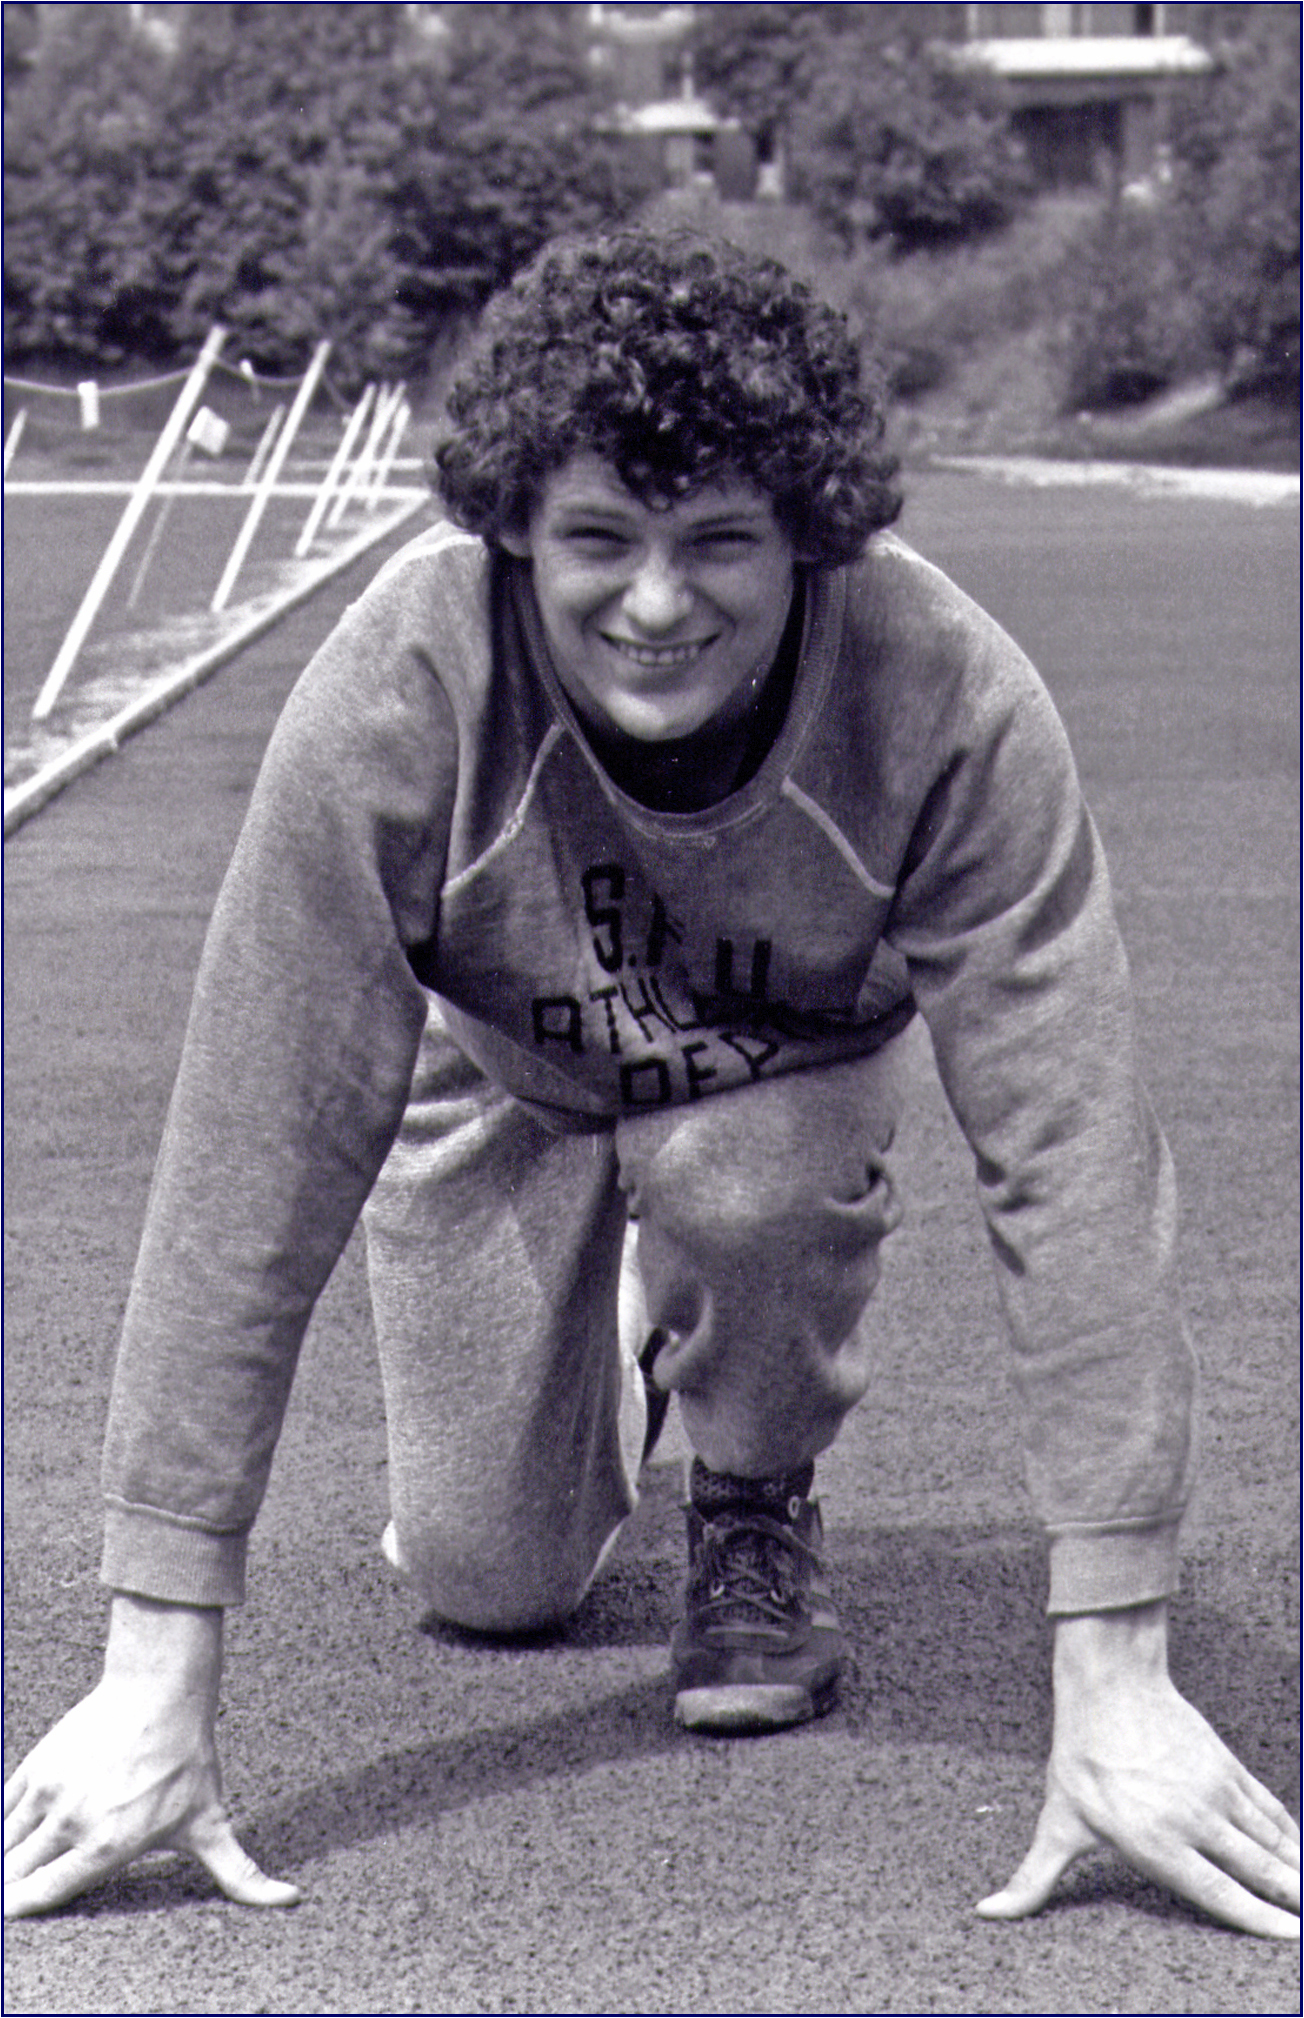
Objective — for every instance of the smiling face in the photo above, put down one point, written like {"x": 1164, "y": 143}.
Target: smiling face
{"x": 660, "y": 620}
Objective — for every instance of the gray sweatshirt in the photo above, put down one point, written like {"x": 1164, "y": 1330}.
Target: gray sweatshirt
{"x": 430, "y": 820}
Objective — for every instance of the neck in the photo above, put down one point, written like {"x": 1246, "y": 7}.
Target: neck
{"x": 676, "y": 777}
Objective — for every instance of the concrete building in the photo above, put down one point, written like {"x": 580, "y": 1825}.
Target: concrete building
{"x": 1090, "y": 82}
{"x": 644, "y": 53}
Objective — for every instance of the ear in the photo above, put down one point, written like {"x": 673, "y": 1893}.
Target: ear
{"x": 515, "y": 543}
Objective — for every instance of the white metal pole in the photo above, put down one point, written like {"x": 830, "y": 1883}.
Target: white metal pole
{"x": 376, "y": 490}
{"x": 386, "y": 407}
{"x": 259, "y": 501}
{"x": 151, "y": 545}
{"x": 187, "y": 400}
{"x": 357, "y": 475}
{"x": 14, "y": 436}
{"x": 317, "y": 511}
{"x": 264, "y": 448}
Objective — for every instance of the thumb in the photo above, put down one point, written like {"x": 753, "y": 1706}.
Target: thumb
{"x": 211, "y": 1838}
{"x": 1060, "y": 1837}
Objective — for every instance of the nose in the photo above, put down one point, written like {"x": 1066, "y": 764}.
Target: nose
{"x": 658, "y": 599}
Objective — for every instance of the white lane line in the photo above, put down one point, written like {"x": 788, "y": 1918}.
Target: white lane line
{"x": 1231, "y": 486}
{"x": 199, "y": 487}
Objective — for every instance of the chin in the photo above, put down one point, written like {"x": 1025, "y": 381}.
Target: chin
{"x": 642, "y": 728}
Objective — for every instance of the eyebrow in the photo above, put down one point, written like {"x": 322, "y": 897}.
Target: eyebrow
{"x": 585, "y": 508}
{"x": 749, "y": 516}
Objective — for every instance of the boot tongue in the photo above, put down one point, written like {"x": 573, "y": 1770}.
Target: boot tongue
{"x": 749, "y": 1573}
{"x": 750, "y": 1552}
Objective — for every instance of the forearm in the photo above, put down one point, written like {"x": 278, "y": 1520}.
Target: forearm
{"x": 1006, "y": 920}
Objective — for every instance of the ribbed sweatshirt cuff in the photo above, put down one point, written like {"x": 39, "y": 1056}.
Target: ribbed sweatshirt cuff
{"x": 152, "y": 1555}
{"x": 1106, "y": 1569}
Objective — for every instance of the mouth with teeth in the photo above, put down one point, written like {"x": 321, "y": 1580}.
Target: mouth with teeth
{"x": 658, "y": 658}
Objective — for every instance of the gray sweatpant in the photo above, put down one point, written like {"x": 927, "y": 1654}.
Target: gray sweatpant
{"x": 494, "y": 1247}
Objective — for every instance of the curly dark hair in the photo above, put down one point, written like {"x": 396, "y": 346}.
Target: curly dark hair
{"x": 679, "y": 361}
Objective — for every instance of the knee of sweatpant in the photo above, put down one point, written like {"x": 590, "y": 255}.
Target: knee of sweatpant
{"x": 490, "y": 1583}
{"x": 731, "y": 1194}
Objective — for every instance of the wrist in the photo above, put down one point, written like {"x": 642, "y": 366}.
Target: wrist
{"x": 150, "y": 1640}
{"x": 1093, "y": 1649}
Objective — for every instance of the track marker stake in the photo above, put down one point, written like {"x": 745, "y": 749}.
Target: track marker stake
{"x": 111, "y": 558}
{"x": 264, "y": 448}
{"x": 386, "y": 407}
{"x": 259, "y": 502}
{"x": 352, "y": 428}
{"x": 385, "y": 462}
{"x": 160, "y": 523}
{"x": 14, "y": 436}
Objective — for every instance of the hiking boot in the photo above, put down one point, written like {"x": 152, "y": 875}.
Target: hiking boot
{"x": 759, "y": 1646}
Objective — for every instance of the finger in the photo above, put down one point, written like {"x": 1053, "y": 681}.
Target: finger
{"x": 1274, "y": 1810}
{"x": 22, "y": 1818}
{"x": 1220, "y": 1895}
{"x": 1273, "y": 1832}
{"x": 212, "y": 1839}
{"x": 57, "y": 1881}
{"x": 47, "y": 1837}
{"x": 15, "y": 1788}
{"x": 1060, "y": 1838}
{"x": 1253, "y": 1865}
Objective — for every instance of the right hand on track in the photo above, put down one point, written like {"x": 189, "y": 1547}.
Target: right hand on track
{"x": 132, "y": 1767}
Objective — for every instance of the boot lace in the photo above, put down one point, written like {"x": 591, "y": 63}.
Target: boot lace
{"x": 751, "y": 1568}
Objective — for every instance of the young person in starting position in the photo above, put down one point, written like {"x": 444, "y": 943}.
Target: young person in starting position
{"x": 597, "y": 865}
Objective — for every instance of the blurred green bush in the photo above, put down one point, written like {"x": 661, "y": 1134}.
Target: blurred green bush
{"x": 905, "y": 147}
{"x": 881, "y": 135}
{"x": 1131, "y": 325}
{"x": 1200, "y": 269}
{"x": 294, "y": 171}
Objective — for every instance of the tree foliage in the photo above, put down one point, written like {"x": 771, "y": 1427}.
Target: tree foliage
{"x": 501, "y": 154}
{"x": 752, "y": 61}
{"x": 78, "y": 134}
{"x": 756, "y": 61}
{"x": 1236, "y": 199}
{"x": 884, "y": 137}
{"x": 1202, "y": 271}
{"x": 293, "y": 171}
{"x": 907, "y": 146}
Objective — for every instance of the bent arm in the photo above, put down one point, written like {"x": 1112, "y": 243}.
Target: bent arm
{"x": 1006, "y": 919}
{"x": 295, "y": 1070}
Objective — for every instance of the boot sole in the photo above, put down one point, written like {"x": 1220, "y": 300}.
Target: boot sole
{"x": 752, "y": 1706}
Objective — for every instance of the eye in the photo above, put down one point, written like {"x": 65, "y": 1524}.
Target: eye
{"x": 594, "y": 539}
{"x": 727, "y": 544}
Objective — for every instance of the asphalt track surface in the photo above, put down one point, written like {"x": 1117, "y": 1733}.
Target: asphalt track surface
{"x": 488, "y": 1827}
